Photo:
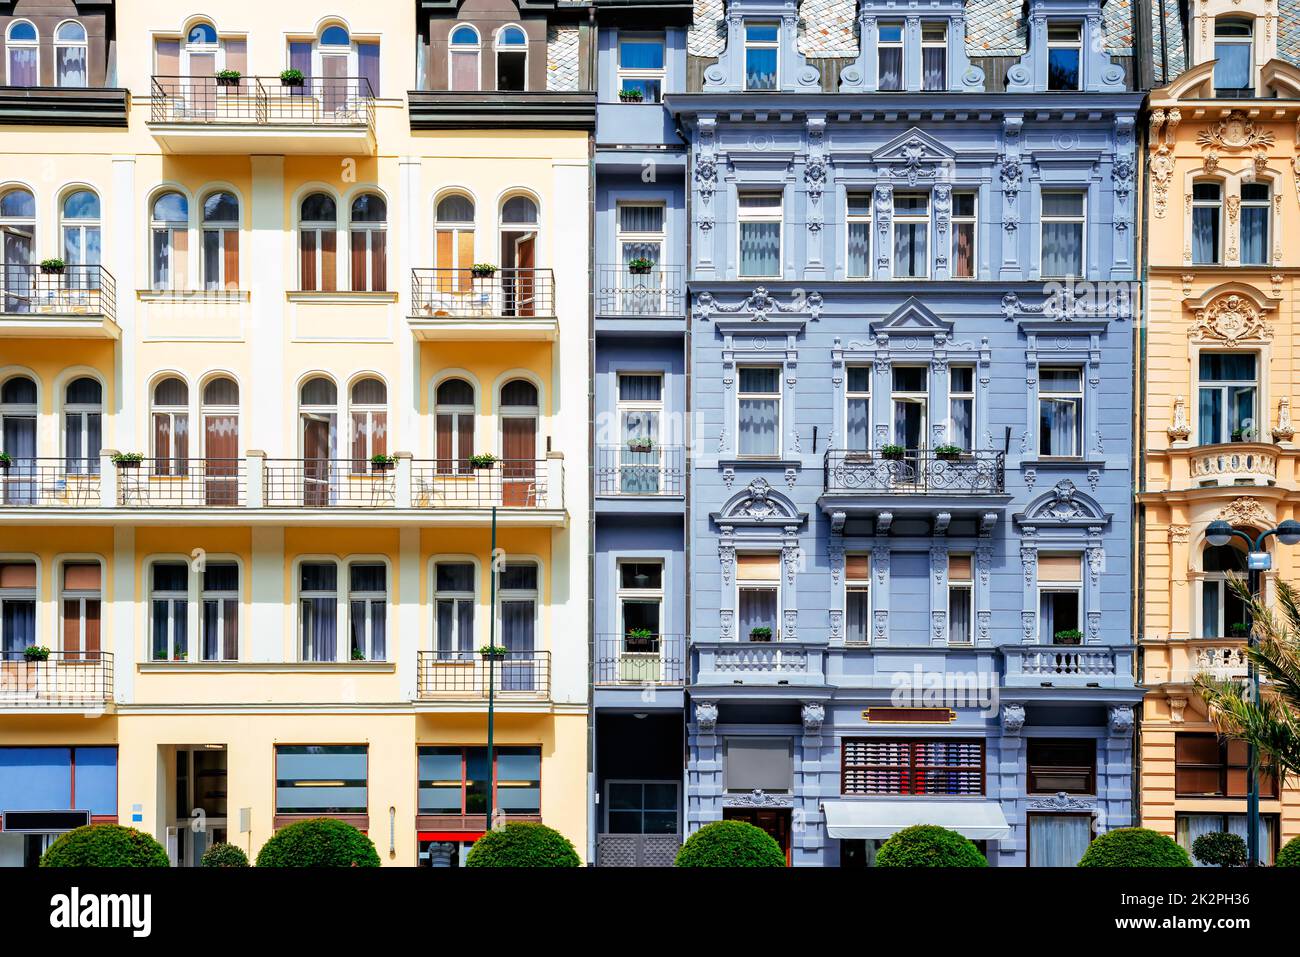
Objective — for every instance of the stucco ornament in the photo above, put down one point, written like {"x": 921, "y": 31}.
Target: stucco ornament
{"x": 813, "y": 714}
{"x": 1230, "y": 319}
{"x": 1235, "y": 131}
{"x": 1122, "y": 173}
{"x": 757, "y": 798}
{"x": 706, "y": 176}
{"x": 759, "y": 503}
{"x": 760, "y": 305}
{"x": 1013, "y": 718}
{"x": 1162, "y": 171}
{"x": 1121, "y": 718}
{"x": 919, "y": 162}
{"x": 1283, "y": 431}
{"x": 1062, "y": 505}
{"x": 1180, "y": 430}
{"x": 1245, "y": 511}
{"x": 1060, "y": 801}
{"x": 814, "y": 177}
{"x": 706, "y": 716}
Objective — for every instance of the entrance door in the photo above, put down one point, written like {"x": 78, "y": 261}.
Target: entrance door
{"x": 775, "y": 822}
{"x": 519, "y": 460}
{"x": 317, "y": 441}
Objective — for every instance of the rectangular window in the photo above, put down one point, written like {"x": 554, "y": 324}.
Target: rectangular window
{"x": 1255, "y": 204}
{"x": 81, "y": 609}
{"x": 169, "y": 611}
{"x": 641, "y": 64}
{"x": 858, "y": 235}
{"x": 911, "y": 405}
{"x": 1062, "y": 765}
{"x": 320, "y": 779}
{"x": 1064, "y": 55}
{"x": 1234, "y": 57}
{"x": 934, "y": 56}
{"x": 758, "y": 411}
{"x": 961, "y": 601}
{"x": 1064, "y": 227}
{"x": 961, "y": 407}
{"x": 877, "y": 766}
{"x": 641, "y": 807}
{"x": 758, "y": 596}
{"x": 318, "y": 601}
{"x": 889, "y": 53}
{"x": 1060, "y": 411}
{"x": 1060, "y": 597}
{"x": 857, "y": 599}
{"x": 857, "y": 412}
{"x": 964, "y": 222}
{"x": 640, "y": 413}
{"x": 1205, "y": 766}
{"x": 1058, "y": 840}
{"x": 17, "y": 609}
{"x": 456, "y": 781}
{"x": 219, "y": 635}
{"x": 1207, "y": 224}
{"x": 368, "y": 68}
{"x": 641, "y": 288}
{"x": 911, "y": 235}
{"x": 762, "y": 55}
{"x": 758, "y": 764}
{"x": 759, "y": 222}
{"x": 454, "y": 609}
{"x": 59, "y": 779}
{"x": 1188, "y": 827}
{"x": 640, "y": 610}
{"x": 1227, "y": 394}
{"x": 368, "y": 611}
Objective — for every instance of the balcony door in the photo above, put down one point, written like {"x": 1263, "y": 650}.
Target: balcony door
{"x": 518, "y": 595}
{"x": 17, "y": 242}
{"x": 221, "y": 441}
{"x": 519, "y": 256}
{"x": 519, "y": 443}
{"x": 318, "y": 438}
{"x": 640, "y": 410}
{"x": 640, "y": 609}
{"x": 18, "y": 439}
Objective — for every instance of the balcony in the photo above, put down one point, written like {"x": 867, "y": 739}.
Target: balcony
{"x": 630, "y": 473}
{"x": 772, "y": 666}
{"x": 1068, "y": 666}
{"x": 657, "y": 294}
{"x": 78, "y": 302}
{"x": 624, "y": 660}
{"x": 183, "y": 483}
{"x": 458, "y": 676}
{"x": 322, "y": 115}
{"x": 1236, "y": 464}
{"x": 70, "y": 680}
{"x": 50, "y": 483}
{"x": 917, "y": 481}
{"x": 327, "y": 483}
{"x": 510, "y": 304}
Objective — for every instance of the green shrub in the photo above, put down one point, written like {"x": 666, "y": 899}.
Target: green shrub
{"x": 523, "y": 845}
{"x": 1289, "y": 856}
{"x": 1134, "y": 847}
{"x": 730, "y": 844}
{"x": 224, "y": 855}
{"x": 1218, "y": 849}
{"x": 318, "y": 842}
{"x": 105, "y": 845}
{"x": 928, "y": 845}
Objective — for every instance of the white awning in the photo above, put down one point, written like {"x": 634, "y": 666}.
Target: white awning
{"x": 877, "y": 820}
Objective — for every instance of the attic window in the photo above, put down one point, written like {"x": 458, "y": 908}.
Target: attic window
{"x": 512, "y": 60}
{"x": 1233, "y": 53}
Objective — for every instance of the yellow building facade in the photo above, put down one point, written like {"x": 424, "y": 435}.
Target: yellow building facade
{"x": 270, "y": 294}
{"x": 1217, "y": 382}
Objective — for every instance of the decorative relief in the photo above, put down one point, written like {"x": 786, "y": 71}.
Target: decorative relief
{"x": 1235, "y": 131}
{"x": 1096, "y": 562}
{"x": 814, "y": 176}
{"x": 757, "y": 798}
{"x": 1230, "y": 320}
{"x": 1094, "y": 627}
{"x": 813, "y": 713}
{"x": 1061, "y": 801}
{"x": 1162, "y": 171}
{"x": 790, "y": 626}
{"x": 1180, "y": 429}
{"x": 1013, "y": 718}
{"x": 727, "y": 624}
{"x": 1027, "y": 626}
{"x": 760, "y": 305}
{"x": 1122, "y": 172}
{"x": 836, "y": 624}
{"x": 1121, "y": 718}
{"x": 1179, "y": 534}
{"x": 1245, "y": 511}
{"x": 706, "y": 716}
{"x": 880, "y": 626}
{"x": 1177, "y": 705}
{"x": 1283, "y": 431}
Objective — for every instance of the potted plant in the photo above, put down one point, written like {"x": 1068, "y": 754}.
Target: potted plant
{"x": 641, "y": 443}
{"x": 53, "y": 266}
{"x": 761, "y": 633}
{"x": 949, "y": 452}
{"x": 484, "y": 460}
{"x": 1068, "y": 636}
{"x": 1239, "y": 629}
{"x": 128, "y": 460}
{"x": 291, "y": 77}
{"x": 1243, "y": 435}
{"x": 228, "y": 77}
{"x": 6, "y": 460}
{"x": 893, "y": 452}
{"x": 382, "y": 463}
{"x": 640, "y": 266}
{"x": 630, "y": 95}
{"x": 493, "y": 651}
{"x": 36, "y": 653}
{"x": 358, "y": 654}
{"x": 639, "y": 639}
{"x": 482, "y": 270}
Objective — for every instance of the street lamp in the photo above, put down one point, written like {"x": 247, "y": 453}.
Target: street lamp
{"x": 1218, "y": 534}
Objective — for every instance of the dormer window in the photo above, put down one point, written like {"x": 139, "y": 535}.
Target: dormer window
{"x": 512, "y": 60}
{"x": 889, "y": 56}
{"x": 463, "y": 63}
{"x": 1064, "y": 55}
{"x": 762, "y": 55}
{"x": 1233, "y": 45}
{"x": 934, "y": 56}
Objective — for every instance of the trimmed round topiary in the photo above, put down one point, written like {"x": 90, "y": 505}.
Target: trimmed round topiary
{"x": 1219, "y": 849}
{"x": 1289, "y": 856}
{"x": 224, "y": 855}
{"x": 523, "y": 844}
{"x": 318, "y": 842}
{"x": 928, "y": 845}
{"x": 730, "y": 844}
{"x": 105, "y": 845}
{"x": 1134, "y": 847}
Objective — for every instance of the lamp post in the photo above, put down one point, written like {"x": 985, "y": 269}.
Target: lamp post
{"x": 492, "y": 666}
{"x": 1218, "y": 534}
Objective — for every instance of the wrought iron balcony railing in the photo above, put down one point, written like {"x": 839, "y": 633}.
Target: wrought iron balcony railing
{"x": 629, "y": 470}
{"x": 659, "y": 292}
{"x": 914, "y": 472}
{"x": 639, "y": 660}
{"x": 50, "y": 483}
{"x": 507, "y": 483}
{"x": 326, "y": 483}
{"x": 64, "y": 679}
{"x": 71, "y": 291}
{"x": 468, "y": 674}
{"x": 439, "y": 293}
{"x": 182, "y": 483}
{"x": 342, "y": 101}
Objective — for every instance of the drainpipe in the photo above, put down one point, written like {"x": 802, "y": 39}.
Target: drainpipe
{"x": 1141, "y": 132}
{"x": 593, "y": 808}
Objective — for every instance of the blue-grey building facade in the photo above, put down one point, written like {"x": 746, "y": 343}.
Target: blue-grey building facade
{"x": 910, "y": 261}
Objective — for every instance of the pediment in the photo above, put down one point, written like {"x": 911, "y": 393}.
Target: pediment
{"x": 912, "y": 316}
{"x": 1194, "y": 84}
{"x": 907, "y": 146}
{"x": 1063, "y": 504}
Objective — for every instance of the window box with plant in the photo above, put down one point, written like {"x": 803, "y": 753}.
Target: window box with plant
{"x": 36, "y": 653}
{"x": 1243, "y": 435}
{"x": 228, "y": 77}
{"x": 949, "y": 453}
{"x": 641, "y": 443}
{"x": 6, "y": 460}
{"x": 893, "y": 452}
{"x": 1068, "y": 636}
{"x": 493, "y": 652}
{"x": 53, "y": 266}
{"x": 1239, "y": 629}
{"x": 640, "y": 640}
{"x": 382, "y": 463}
{"x": 291, "y": 77}
{"x": 630, "y": 95}
{"x": 128, "y": 460}
{"x": 482, "y": 270}
{"x": 484, "y": 460}
{"x": 761, "y": 633}
{"x": 640, "y": 266}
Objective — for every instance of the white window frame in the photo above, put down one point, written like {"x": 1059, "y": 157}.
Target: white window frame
{"x": 854, "y": 586}
{"x": 221, "y": 227}
{"x": 778, "y": 396}
{"x": 930, "y": 44}
{"x": 911, "y": 219}
{"x": 465, "y": 48}
{"x": 1266, "y": 205}
{"x": 774, "y": 213}
{"x": 20, "y": 410}
{"x": 760, "y": 584}
{"x": 761, "y": 45}
{"x": 370, "y": 410}
{"x": 1225, "y": 387}
{"x": 1074, "y": 43}
{"x": 1218, "y": 206}
{"x": 370, "y": 229}
{"x": 321, "y": 228}
{"x": 368, "y": 599}
{"x": 1080, "y": 218}
{"x": 852, "y": 395}
{"x": 646, "y": 595}
{"x": 342, "y": 637}
{"x": 173, "y": 414}
{"x": 458, "y": 648}
{"x": 522, "y": 594}
{"x": 171, "y": 598}
{"x": 900, "y": 45}
{"x": 971, "y": 220}
{"x": 1247, "y": 41}
{"x": 81, "y": 596}
{"x": 61, "y": 44}
{"x": 961, "y": 395}
{"x": 25, "y": 594}
{"x": 957, "y": 585}
{"x": 643, "y": 73}
{"x": 1061, "y": 587}
{"x": 11, "y": 45}
{"x": 222, "y": 596}
{"x": 903, "y": 396}
{"x": 498, "y": 48}
{"x": 1079, "y": 394}
{"x": 456, "y": 412}
{"x": 862, "y": 219}
{"x": 84, "y": 410}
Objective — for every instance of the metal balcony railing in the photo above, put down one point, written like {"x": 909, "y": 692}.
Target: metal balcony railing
{"x": 914, "y": 472}
{"x": 632, "y": 470}
{"x": 640, "y": 659}
{"x": 507, "y": 483}
{"x": 72, "y": 291}
{"x": 50, "y": 483}
{"x": 438, "y": 293}
{"x": 64, "y": 679}
{"x": 657, "y": 293}
{"x": 182, "y": 483}
{"x": 327, "y": 483}
{"x": 343, "y": 101}
{"x": 465, "y": 674}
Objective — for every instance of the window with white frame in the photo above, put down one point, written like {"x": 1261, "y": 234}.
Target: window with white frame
{"x": 640, "y": 606}
{"x": 169, "y": 605}
{"x": 318, "y": 610}
{"x": 70, "y": 55}
{"x": 762, "y": 55}
{"x": 1256, "y": 200}
{"x": 17, "y": 608}
{"x": 1063, "y": 230}
{"x": 453, "y": 602}
{"x": 857, "y": 408}
{"x": 83, "y": 430}
{"x": 82, "y": 599}
{"x": 857, "y": 598}
{"x": 318, "y": 244}
{"x": 369, "y": 416}
{"x": 220, "y": 241}
{"x": 889, "y": 57}
{"x": 641, "y": 65}
{"x": 640, "y": 244}
{"x": 1223, "y": 613}
{"x": 1207, "y": 222}
{"x": 336, "y": 67}
{"x": 512, "y": 59}
{"x": 81, "y": 237}
{"x": 1060, "y": 411}
{"x": 369, "y": 243}
{"x": 911, "y": 235}
{"x": 170, "y": 416}
{"x": 964, "y": 231}
{"x": 219, "y": 597}
{"x": 519, "y": 593}
{"x": 1064, "y": 55}
{"x": 858, "y": 234}
{"x": 758, "y": 595}
{"x": 23, "y": 60}
{"x": 961, "y": 600}
{"x": 1060, "y": 599}
{"x": 759, "y": 230}
{"x": 910, "y": 405}
{"x": 18, "y": 417}
{"x": 169, "y": 232}
{"x": 1234, "y": 57}
{"x": 464, "y": 72}
{"x": 934, "y": 55}
{"x": 961, "y": 407}
{"x": 453, "y": 240}
{"x": 758, "y": 411}
{"x": 17, "y": 250}
{"x": 454, "y": 426}
{"x": 1228, "y": 390}
{"x": 368, "y": 611}
{"x": 640, "y": 414}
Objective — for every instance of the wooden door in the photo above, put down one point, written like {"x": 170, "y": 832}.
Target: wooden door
{"x": 775, "y": 821}
{"x": 525, "y": 261}
{"x": 221, "y": 458}
{"x": 316, "y": 442}
{"x": 519, "y": 460}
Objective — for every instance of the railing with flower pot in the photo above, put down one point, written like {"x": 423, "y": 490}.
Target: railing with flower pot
{"x": 894, "y": 469}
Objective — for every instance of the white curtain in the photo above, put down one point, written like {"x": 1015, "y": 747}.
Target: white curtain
{"x": 1058, "y": 840}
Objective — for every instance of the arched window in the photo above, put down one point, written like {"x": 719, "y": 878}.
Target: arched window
{"x": 83, "y": 412}
{"x": 23, "y": 66}
{"x": 338, "y": 68}
{"x": 518, "y": 414}
{"x": 512, "y": 59}
{"x": 170, "y": 240}
{"x": 317, "y": 241}
{"x": 1256, "y": 201}
{"x": 1223, "y": 613}
{"x": 454, "y": 242}
{"x": 335, "y": 37}
{"x": 171, "y": 426}
{"x": 454, "y": 418}
{"x": 220, "y": 418}
{"x": 317, "y": 432}
{"x": 18, "y": 229}
{"x": 18, "y": 418}
{"x": 1234, "y": 67}
{"x": 369, "y": 414}
{"x": 1207, "y": 222}
{"x": 519, "y": 255}
{"x": 70, "y": 55}
{"x": 368, "y": 230}
{"x": 464, "y": 69}
{"x": 81, "y": 237}
{"x": 221, "y": 241}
